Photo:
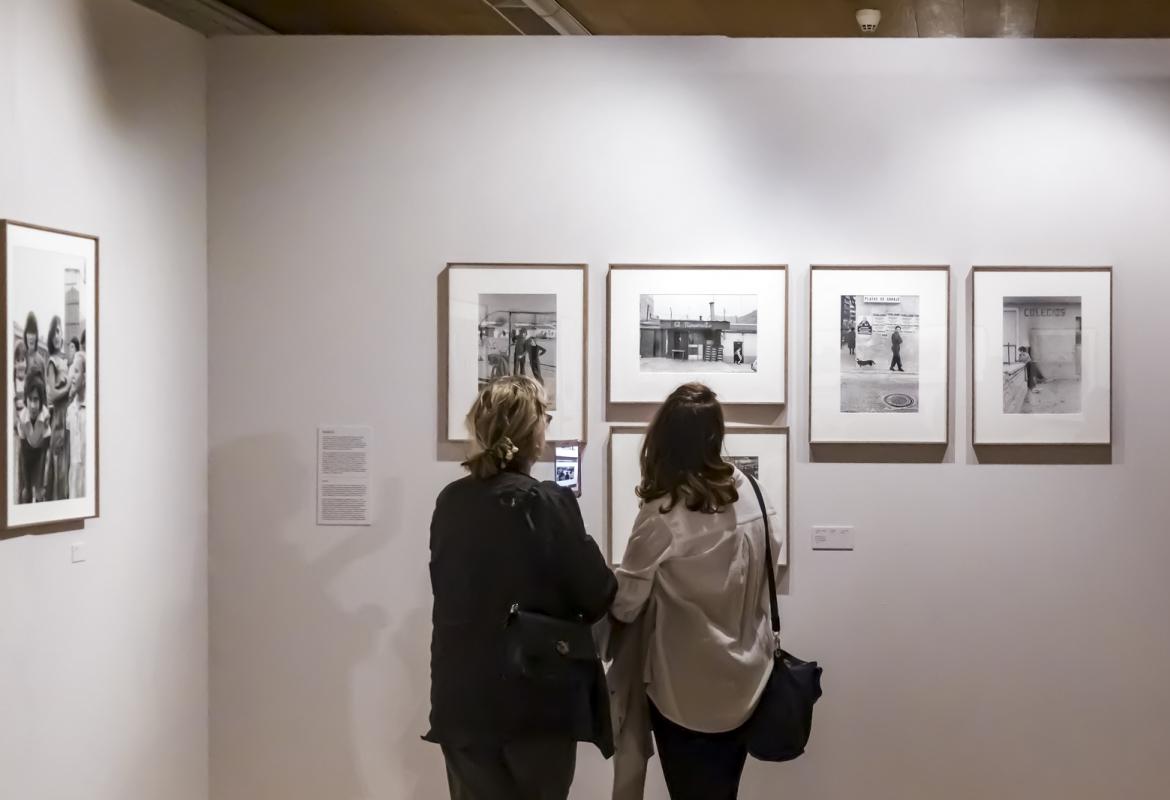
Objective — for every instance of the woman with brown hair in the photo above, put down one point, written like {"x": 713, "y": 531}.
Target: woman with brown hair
{"x": 696, "y": 555}
{"x": 501, "y": 543}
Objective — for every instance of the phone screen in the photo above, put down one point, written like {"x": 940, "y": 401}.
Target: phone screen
{"x": 568, "y": 466}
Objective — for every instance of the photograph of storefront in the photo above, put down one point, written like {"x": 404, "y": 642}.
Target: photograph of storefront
{"x": 879, "y": 353}
{"x": 698, "y": 333}
{"x": 1041, "y": 355}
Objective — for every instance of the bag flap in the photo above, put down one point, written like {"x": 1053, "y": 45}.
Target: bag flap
{"x": 542, "y": 636}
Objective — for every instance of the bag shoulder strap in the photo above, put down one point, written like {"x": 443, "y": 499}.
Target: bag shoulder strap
{"x": 539, "y": 543}
{"x": 770, "y": 565}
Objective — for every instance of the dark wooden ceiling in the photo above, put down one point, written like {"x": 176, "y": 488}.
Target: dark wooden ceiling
{"x": 802, "y": 18}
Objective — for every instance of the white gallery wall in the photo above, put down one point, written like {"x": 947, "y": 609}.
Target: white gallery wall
{"x": 103, "y": 664}
{"x": 1000, "y": 630}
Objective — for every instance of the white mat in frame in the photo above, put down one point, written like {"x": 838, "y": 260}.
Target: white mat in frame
{"x": 1089, "y": 290}
{"x": 466, "y": 283}
{"x": 926, "y": 420}
{"x": 769, "y": 445}
{"x": 629, "y": 380}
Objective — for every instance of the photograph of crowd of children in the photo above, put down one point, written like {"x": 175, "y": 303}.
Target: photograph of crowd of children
{"x": 879, "y": 353}
{"x": 518, "y": 336}
{"x": 49, "y": 376}
{"x": 697, "y": 333}
{"x": 1041, "y": 355}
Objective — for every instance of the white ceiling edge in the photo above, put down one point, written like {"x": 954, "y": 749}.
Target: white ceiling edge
{"x": 740, "y": 59}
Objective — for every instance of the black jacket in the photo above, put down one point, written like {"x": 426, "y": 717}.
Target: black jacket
{"x": 485, "y": 558}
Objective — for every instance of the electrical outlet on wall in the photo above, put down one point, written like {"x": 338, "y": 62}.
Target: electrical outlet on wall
{"x": 837, "y": 537}
{"x": 77, "y": 552}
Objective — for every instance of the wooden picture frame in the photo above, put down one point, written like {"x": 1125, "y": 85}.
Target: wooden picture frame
{"x": 732, "y": 441}
{"x": 561, "y": 278}
{"x": 51, "y": 467}
{"x": 742, "y": 387}
{"x": 1086, "y": 427}
{"x": 935, "y": 432}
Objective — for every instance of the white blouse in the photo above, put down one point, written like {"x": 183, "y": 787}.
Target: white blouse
{"x": 710, "y": 654}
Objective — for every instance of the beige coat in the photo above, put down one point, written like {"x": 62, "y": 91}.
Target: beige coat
{"x": 625, "y": 646}
{"x": 709, "y": 654}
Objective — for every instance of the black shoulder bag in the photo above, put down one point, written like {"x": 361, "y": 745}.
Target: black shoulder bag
{"x": 542, "y": 648}
{"x": 779, "y": 728}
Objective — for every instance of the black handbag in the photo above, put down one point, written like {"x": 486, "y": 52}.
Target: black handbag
{"x": 546, "y": 649}
{"x": 779, "y": 728}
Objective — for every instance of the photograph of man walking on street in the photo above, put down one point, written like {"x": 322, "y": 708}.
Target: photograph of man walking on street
{"x": 896, "y": 343}
{"x": 877, "y": 330}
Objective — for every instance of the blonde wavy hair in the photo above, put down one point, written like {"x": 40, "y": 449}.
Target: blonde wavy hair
{"x": 507, "y": 423}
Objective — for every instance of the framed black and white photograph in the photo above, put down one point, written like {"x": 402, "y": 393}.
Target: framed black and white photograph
{"x": 518, "y": 336}
{"x": 1042, "y": 365}
{"x": 725, "y": 326}
{"x": 878, "y": 355}
{"x": 761, "y": 452}
{"x": 517, "y": 319}
{"x": 698, "y": 334}
{"x": 51, "y": 313}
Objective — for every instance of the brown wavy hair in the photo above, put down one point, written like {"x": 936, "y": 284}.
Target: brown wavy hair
{"x": 682, "y": 455}
{"x": 507, "y": 423}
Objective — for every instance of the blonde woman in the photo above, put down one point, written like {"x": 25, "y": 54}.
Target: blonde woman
{"x": 500, "y": 539}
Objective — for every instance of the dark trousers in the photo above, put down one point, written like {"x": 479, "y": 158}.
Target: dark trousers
{"x": 32, "y": 472}
{"x": 897, "y": 362}
{"x": 698, "y": 766}
{"x": 530, "y": 770}
{"x": 1035, "y": 376}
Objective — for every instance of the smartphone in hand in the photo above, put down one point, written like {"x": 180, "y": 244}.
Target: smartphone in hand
{"x": 567, "y": 466}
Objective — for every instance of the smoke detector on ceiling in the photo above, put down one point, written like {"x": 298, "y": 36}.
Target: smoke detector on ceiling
{"x": 868, "y": 19}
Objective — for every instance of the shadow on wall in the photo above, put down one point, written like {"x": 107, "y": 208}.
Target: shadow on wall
{"x": 420, "y": 764}
{"x": 122, "y": 45}
{"x": 284, "y": 650}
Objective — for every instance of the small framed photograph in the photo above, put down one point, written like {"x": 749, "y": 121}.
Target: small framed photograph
{"x": 1042, "y": 346}
{"x": 517, "y": 319}
{"x": 879, "y": 346}
{"x": 724, "y": 326}
{"x": 763, "y": 452}
{"x": 51, "y": 313}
